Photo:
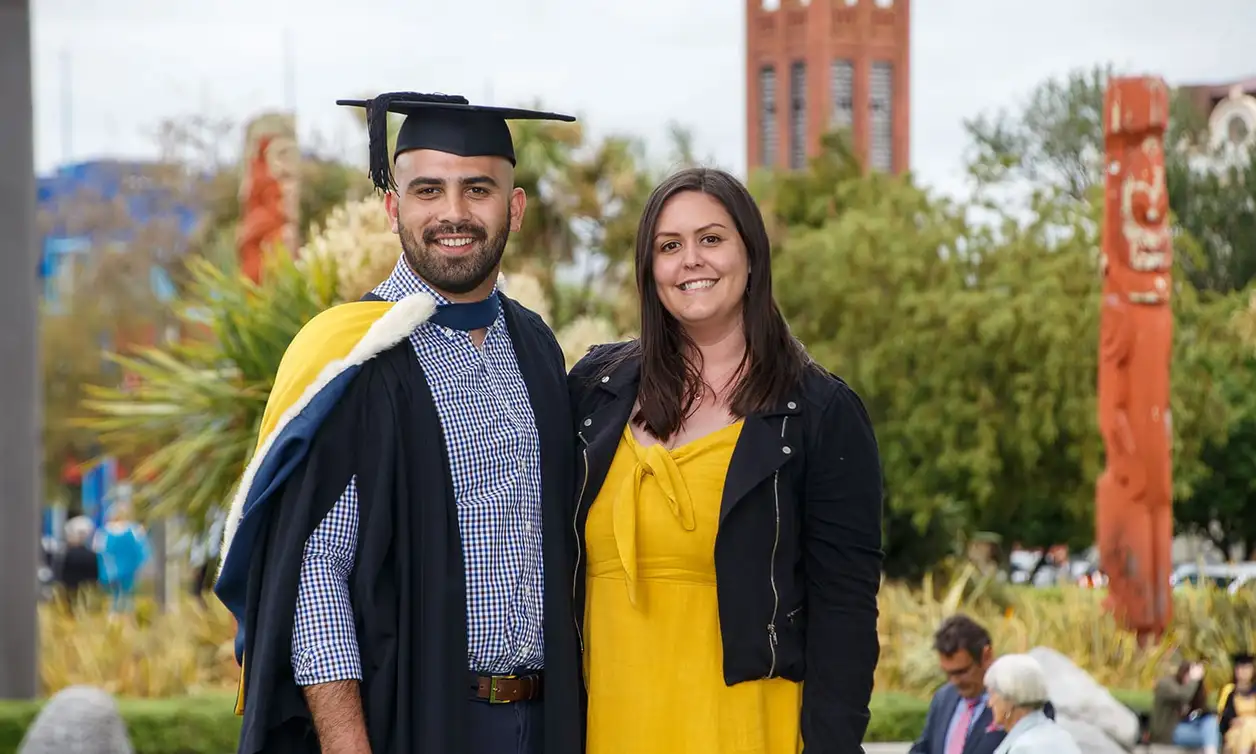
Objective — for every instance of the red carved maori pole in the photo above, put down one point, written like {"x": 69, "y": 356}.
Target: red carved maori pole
{"x": 1134, "y": 494}
{"x": 269, "y": 195}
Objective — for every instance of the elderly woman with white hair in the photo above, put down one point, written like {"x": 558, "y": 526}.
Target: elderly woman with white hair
{"x": 1018, "y": 697}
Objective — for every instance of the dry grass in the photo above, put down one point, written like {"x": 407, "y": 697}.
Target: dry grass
{"x": 1208, "y": 625}
{"x": 185, "y": 650}
{"x": 188, "y": 649}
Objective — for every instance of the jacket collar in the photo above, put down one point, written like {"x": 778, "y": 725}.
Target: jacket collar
{"x": 763, "y": 447}
{"x": 1027, "y": 723}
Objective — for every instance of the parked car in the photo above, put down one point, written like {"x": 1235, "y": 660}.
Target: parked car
{"x": 1228, "y": 576}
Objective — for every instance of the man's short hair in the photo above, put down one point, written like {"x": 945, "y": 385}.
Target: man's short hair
{"x": 961, "y": 632}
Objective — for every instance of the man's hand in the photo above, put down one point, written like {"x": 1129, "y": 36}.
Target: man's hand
{"x": 337, "y": 711}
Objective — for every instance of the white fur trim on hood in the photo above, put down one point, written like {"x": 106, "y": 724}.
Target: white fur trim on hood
{"x": 395, "y": 325}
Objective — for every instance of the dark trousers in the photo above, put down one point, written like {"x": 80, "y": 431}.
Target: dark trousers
{"x": 515, "y": 728}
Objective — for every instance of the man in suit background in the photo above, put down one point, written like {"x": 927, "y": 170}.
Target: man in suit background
{"x": 959, "y": 718}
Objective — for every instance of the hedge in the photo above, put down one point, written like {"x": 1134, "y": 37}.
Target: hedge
{"x": 208, "y": 725}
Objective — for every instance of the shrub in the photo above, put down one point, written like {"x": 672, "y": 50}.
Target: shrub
{"x": 186, "y": 650}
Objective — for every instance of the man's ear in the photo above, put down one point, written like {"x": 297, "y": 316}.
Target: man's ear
{"x": 391, "y": 205}
{"x": 518, "y": 204}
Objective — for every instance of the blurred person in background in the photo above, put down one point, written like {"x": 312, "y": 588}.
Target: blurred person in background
{"x": 77, "y": 565}
{"x": 1237, "y": 707}
{"x": 960, "y": 710}
{"x": 1016, "y": 689}
{"x": 1179, "y": 713}
{"x": 122, "y": 545}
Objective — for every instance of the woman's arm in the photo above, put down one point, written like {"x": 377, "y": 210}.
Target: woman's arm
{"x": 842, "y": 552}
{"x": 1171, "y": 690}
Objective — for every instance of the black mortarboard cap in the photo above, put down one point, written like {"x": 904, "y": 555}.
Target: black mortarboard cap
{"x": 443, "y": 122}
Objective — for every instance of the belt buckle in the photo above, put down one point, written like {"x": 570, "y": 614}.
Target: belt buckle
{"x": 492, "y": 688}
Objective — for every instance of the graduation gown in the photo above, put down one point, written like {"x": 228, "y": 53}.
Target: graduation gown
{"x": 351, "y": 398}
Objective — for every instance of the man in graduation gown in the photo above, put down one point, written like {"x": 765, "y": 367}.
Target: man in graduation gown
{"x": 399, "y": 554}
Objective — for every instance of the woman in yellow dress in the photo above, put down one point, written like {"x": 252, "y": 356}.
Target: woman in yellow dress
{"x": 1237, "y": 705}
{"x": 729, "y": 517}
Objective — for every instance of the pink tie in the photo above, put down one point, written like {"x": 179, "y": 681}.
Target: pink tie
{"x": 956, "y": 744}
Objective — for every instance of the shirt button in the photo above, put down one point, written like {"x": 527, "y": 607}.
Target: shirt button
{"x": 588, "y": 422}
{"x": 792, "y": 405}
{"x": 606, "y": 379}
{"x": 527, "y": 526}
{"x": 786, "y": 450}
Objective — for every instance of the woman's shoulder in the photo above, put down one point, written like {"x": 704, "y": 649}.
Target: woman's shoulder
{"x": 1047, "y": 737}
{"x": 601, "y": 359}
{"x": 828, "y": 392}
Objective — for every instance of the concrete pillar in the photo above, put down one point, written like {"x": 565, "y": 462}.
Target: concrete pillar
{"x": 20, "y": 399}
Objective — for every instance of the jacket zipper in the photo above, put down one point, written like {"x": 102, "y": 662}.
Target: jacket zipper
{"x": 776, "y": 595}
{"x": 575, "y": 527}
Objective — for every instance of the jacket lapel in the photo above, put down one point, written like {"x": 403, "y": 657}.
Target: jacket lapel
{"x": 767, "y": 441}
{"x": 942, "y": 722}
{"x": 547, "y": 388}
{"x": 600, "y": 431}
{"x": 978, "y": 739}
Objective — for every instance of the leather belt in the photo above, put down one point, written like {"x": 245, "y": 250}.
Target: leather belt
{"x": 504, "y": 689}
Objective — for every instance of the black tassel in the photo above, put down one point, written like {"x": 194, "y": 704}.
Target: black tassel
{"x": 377, "y": 131}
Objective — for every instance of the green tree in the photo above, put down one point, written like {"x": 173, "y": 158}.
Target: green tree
{"x": 1222, "y": 502}
{"x": 1217, "y": 208}
{"x": 975, "y": 348}
{"x": 1055, "y": 141}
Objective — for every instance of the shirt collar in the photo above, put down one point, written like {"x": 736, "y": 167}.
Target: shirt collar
{"x": 405, "y": 282}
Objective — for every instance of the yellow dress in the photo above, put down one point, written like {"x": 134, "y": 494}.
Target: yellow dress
{"x": 653, "y": 657}
{"x": 1241, "y": 737}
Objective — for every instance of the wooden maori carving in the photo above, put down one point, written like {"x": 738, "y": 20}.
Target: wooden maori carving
{"x": 269, "y": 199}
{"x": 1134, "y": 517}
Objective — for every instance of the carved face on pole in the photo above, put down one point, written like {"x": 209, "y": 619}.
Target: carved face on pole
{"x": 1145, "y": 209}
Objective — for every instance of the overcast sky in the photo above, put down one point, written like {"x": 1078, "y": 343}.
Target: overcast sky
{"x": 621, "y": 65}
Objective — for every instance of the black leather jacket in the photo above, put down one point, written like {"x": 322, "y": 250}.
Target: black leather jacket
{"x": 798, "y": 553}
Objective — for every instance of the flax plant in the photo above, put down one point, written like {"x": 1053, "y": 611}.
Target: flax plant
{"x": 190, "y": 425}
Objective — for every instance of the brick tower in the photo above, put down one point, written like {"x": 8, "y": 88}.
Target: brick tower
{"x": 814, "y": 65}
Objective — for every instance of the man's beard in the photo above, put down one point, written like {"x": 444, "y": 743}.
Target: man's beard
{"x": 461, "y": 274}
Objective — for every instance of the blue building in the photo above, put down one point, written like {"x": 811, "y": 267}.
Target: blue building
{"x": 130, "y": 187}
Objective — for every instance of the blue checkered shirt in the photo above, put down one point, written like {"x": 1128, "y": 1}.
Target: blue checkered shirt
{"x": 495, "y": 464}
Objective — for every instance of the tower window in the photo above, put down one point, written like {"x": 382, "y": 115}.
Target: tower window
{"x": 842, "y": 90}
{"x": 767, "y": 116}
{"x": 880, "y": 116}
{"x": 798, "y": 115}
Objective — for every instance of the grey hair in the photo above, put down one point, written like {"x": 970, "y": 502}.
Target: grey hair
{"x": 79, "y": 529}
{"x": 1019, "y": 680}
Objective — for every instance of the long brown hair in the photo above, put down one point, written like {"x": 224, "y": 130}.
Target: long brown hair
{"x": 671, "y": 367}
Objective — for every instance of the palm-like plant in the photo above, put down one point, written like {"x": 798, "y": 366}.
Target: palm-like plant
{"x": 192, "y": 422}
